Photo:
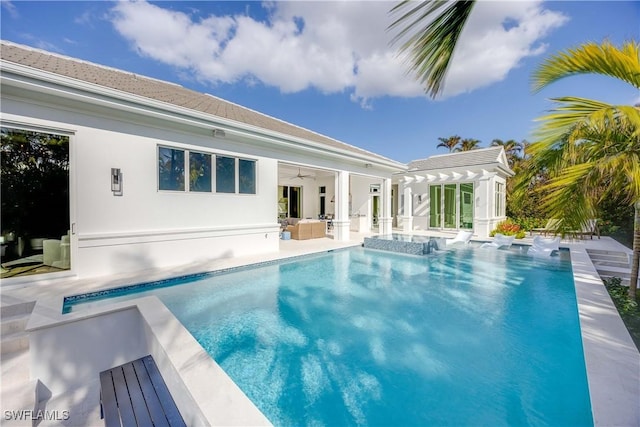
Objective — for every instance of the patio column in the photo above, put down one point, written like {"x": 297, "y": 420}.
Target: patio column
{"x": 342, "y": 222}
{"x": 386, "y": 219}
{"x": 407, "y": 218}
{"x": 486, "y": 200}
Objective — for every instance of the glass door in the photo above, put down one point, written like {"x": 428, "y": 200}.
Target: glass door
{"x": 466, "y": 205}
{"x": 435, "y": 206}
{"x": 375, "y": 211}
{"x": 450, "y": 206}
{"x": 35, "y": 214}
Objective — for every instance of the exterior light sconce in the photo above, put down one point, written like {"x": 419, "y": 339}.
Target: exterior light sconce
{"x": 368, "y": 165}
{"x": 219, "y": 133}
{"x": 116, "y": 181}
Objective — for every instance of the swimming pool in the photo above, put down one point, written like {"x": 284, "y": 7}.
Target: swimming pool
{"x": 469, "y": 337}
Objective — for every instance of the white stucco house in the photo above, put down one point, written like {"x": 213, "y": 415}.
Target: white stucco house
{"x": 456, "y": 191}
{"x": 159, "y": 175}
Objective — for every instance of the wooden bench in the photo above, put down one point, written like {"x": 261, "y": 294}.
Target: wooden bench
{"x": 134, "y": 394}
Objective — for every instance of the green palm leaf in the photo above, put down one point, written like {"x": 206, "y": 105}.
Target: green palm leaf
{"x": 591, "y": 58}
{"x": 429, "y": 32}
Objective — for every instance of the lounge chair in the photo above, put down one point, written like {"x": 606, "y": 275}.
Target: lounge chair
{"x": 499, "y": 241}
{"x": 552, "y": 226}
{"x": 590, "y": 229}
{"x": 463, "y": 237}
{"x": 544, "y": 247}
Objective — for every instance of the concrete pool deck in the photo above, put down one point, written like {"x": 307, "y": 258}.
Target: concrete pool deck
{"x": 613, "y": 361}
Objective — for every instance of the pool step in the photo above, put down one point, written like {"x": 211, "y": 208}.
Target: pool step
{"x": 611, "y": 264}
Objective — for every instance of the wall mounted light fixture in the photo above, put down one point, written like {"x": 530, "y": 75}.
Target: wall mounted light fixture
{"x": 116, "y": 181}
{"x": 219, "y": 133}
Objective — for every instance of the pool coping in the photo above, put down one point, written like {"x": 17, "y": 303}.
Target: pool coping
{"x": 611, "y": 358}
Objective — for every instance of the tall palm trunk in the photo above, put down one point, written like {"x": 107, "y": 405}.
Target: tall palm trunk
{"x": 633, "y": 282}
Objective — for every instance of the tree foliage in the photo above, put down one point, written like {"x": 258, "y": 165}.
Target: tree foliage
{"x": 35, "y": 183}
{"x": 590, "y": 150}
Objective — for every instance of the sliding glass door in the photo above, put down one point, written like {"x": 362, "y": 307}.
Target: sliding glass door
{"x": 435, "y": 197}
{"x": 451, "y": 206}
{"x": 289, "y": 202}
{"x": 35, "y": 217}
{"x": 466, "y": 205}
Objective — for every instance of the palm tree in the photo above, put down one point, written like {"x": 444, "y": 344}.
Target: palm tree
{"x": 590, "y": 149}
{"x": 468, "y": 144}
{"x": 451, "y": 143}
{"x": 429, "y": 31}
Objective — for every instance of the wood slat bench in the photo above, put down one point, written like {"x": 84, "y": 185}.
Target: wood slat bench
{"x": 134, "y": 394}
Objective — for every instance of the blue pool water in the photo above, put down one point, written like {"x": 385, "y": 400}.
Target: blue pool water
{"x": 352, "y": 337}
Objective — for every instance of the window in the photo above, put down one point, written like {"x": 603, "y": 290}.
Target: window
{"x": 247, "y": 176}
{"x": 170, "y": 169}
{"x": 500, "y": 208}
{"x": 232, "y": 175}
{"x": 199, "y": 172}
{"x": 225, "y": 174}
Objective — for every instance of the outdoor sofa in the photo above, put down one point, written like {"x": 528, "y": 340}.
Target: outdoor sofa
{"x": 307, "y": 229}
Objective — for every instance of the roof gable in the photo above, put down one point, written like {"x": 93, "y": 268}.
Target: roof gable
{"x": 463, "y": 159}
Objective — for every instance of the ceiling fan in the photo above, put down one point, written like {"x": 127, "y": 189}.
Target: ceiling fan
{"x": 301, "y": 176}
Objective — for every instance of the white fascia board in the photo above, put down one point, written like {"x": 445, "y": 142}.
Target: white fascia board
{"x": 466, "y": 170}
{"x": 41, "y": 81}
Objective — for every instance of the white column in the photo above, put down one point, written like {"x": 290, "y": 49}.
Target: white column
{"x": 386, "y": 220}
{"x": 484, "y": 207}
{"x": 341, "y": 222}
{"x": 407, "y": 219}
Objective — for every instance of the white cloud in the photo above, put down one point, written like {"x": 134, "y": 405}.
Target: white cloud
{"x": 332, "y": 47}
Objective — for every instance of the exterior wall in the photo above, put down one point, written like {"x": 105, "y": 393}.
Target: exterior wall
{"x": 361, "y": 202}
{"x": 146, "y": 228}
{"x": 484, "y": 219}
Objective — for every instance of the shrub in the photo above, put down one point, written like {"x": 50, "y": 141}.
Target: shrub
{"x": 620, "y": 296}
{"x": 529, "y": 223}
{"x": 607, "y": 227}
{"x": 508, "y": 228}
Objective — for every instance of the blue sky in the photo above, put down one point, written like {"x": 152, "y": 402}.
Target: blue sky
{"x": 329, "y": 67}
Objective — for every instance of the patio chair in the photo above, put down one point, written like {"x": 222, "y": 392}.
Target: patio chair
{"x": 544, "y": 247}
{"x": 590, "y": 229}
{"x": 463, "y": 236}
{"x": 499, "y": 241}
{"x": 552, "y": 226}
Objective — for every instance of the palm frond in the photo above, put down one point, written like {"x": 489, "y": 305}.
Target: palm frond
{"x": 573, "y": 115}
{"x": 429, "y": 32}
{"x": 591, "y": 58}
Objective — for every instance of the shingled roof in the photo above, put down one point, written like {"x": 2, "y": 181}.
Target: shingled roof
{"x": 169, "y": 93}
{"x": 462, "y": 159}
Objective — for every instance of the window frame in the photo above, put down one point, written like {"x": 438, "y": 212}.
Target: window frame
{"x": 186, "y": 171}
{"x": 184, "y": 168}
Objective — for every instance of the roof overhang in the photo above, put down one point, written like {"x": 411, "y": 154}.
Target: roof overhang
{"x": 28, "y": 78}
{"x": 475, "y": 173}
